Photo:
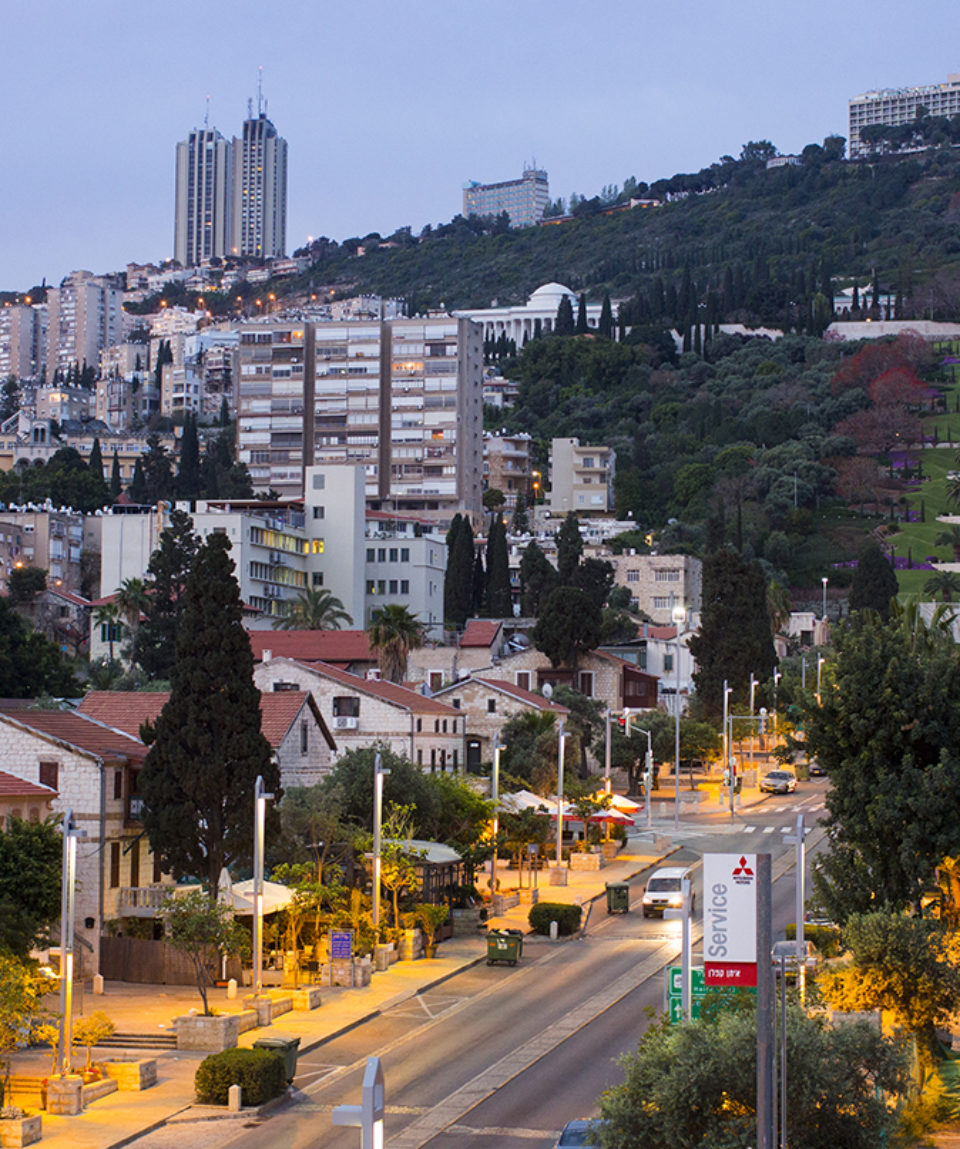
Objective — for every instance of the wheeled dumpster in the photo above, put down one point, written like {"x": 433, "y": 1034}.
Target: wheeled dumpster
{"x": 504, "y": 946}
{"x": 618, "y": 898}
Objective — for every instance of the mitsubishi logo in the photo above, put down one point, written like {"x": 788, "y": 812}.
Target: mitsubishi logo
{"x": 742, "y": 874}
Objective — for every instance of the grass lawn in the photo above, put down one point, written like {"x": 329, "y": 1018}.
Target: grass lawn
{"x": 916, "y": 539}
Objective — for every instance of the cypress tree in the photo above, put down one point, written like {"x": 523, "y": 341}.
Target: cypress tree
{"x": 569, "y": 548}
{"x": 538, "y": 328}
{"x": 188, "y": 474}
{"x": 564, "y": 324}
{"x": 138, "y": 485}
{"x": 874, "y": 582}
{"x": 582, "y": 326}
{"x": 116, "y": 482}
{"x": 479, "y": 584}
{"x": 606, "y": 318}
{"x": 95, "y": 463}
{"x": 198, "y": 779}
{"x": 155, "y": 642}
{"x": 498, "y": 602}
{"x": 458, "y": 582}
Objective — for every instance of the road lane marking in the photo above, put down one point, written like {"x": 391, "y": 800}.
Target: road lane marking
{"x": 503, "y": 1131}
{"x": 749, "y": 829}
{"x": 769, "y": 829}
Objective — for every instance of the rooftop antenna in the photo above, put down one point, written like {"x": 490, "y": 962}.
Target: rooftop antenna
{"x": 206, "y": 114}
{"x": 260, "y": 90}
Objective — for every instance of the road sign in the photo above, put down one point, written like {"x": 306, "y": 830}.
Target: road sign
{"x": 341, "y": 945}
{"x": 730, "y": 919}
{"x": 698, "y": 991}
{"x": 698, "y": 985}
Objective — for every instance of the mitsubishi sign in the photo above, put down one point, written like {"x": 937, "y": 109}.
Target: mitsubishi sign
{"x": 730, "y": 919}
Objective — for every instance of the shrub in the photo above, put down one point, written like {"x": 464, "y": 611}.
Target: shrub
{"x": 260, "y": 1073}
{"x": 566, "y": 917}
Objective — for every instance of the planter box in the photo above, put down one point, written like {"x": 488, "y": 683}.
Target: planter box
{"x": 65, "y": 1096}
{"x": 282, "y": 1002}
{"x": 306, "y": 998}
{"x": 17, "y": 1131}
{"x": 207, "y": 1034}
{"x": 465, "y": 921}
{"x": 558, "y": 875}
{"x": 132, "y": 1076}
{"x": 247, "y": 1019}
{"x": 384, "y": 956}
{"x": 97, "y": 1089}
{"x": 529, "y": 897}
{"x": 411, "y": 945}
{"x": 610, "y": 850}
{"x": 262, "y": 1006}
{"x": 504, "y": 902}
{"x": 586, "y": 861}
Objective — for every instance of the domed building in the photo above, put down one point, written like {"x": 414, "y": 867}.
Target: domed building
{"x": 519, "y": 323}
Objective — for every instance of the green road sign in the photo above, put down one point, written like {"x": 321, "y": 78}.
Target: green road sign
{"x": 698, "y": 984}
{"x": 698, "y": 991}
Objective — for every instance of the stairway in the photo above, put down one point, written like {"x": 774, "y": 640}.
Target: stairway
{"x": 161, "y": 1040}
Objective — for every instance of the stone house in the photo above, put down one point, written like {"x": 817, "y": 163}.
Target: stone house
{"x": 21, "y": 799}
{"x": 291, "y": 722}
{"x": 346, "y": 649}
{"x": 658, "y": 582}
{"x": 487, "y": 703}
{"x": 361, "y": 711}
{"x": 91, "y": 769}
{"x": 612, "y": 681}
{"x": 436, "y": 666}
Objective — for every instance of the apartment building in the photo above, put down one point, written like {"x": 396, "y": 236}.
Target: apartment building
{"x": 259, "y": 210}
{"x": 204, "y": 181}
{"x": 405, "y": 564}
{"x": 895, "y": 106}
{"x": 524, "y": 200}
{"x": 402, "y": 398}
{"x": 581, "y": 478}
{"x": 23, "y": 334}
{"x": 84, "y": 315}
{"x": 126, "y": 393}
{"x": 49, "y": 539}
{"x": 508, "y": 466}
{"x": 657, "y": 583}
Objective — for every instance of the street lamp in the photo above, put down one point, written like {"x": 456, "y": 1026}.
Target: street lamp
{"x": 824, "y": 580}
{"x": 753, "y": 687}
{"x": 648, "y": 778}
{"x": 68, "y": 890}
{"x": 679, "y": 616}
{"x": 776, "y": 678}
{"x": 260, "y": 797}
{"x": 726, "y": 741}
{"x": 820, "y": 661}
{"x": 495, "y": 798}
{"x": 560, "y": 742}
{"x": 606, "y": 752}
{"x": 378, "y": 775}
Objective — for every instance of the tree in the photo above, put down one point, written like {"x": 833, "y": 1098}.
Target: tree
{"x": 943, "y": 584}
{"x": 157, "y": 471}
{"x": 203, "y": 929}
{"x": 30, "y": 664}
{"x": 188, "y": 473}
{"x": 595, "y": 578}
{"x": 886, "y": 736}
{"x": 564, "y": 324}
{"x": 903, "y": 965}
{"x": 696, "y": 1084}
{"x": 138, "y": 484}
{"x": 197, "y": 781}
{"x": 950, "y": 537}
{"x": 530, "y": 754}
{"x": 458, "y": 580}
{"x": 498, "y": 601}
{"x": 393, "y": 633}
{"x": 22, "y": 1014}
{"x": 167, "y": 572}
{"x": 874, "y": 582}
{"x": 24, "y": 584}
{"x": 521, "y": 521}
{"x": 569, "y": 548}
{"x": 568, "y": 625}
{"x": 30, "y": 858}
{"x": 95, "y": 462}
{"x": 493, "y": 499}
{"x": 582, "y": 326}
{"x": 734, "y": 639}
{"x": 605, "y": 326}
{"x": 132, "y": 600}
{"x": 538, "y": 577}
{"x": 314, "y": 609}
{"x": 116, "y": 482}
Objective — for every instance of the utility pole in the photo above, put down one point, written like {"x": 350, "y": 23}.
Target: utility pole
{"x": 766, "y": 1013}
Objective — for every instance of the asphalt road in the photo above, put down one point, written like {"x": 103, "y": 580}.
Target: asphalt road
{"x": 501, "y": 1057}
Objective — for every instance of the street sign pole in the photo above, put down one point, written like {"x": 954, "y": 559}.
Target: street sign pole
{"x": 686, "y": 955}
{"x": 766, "y": 1013}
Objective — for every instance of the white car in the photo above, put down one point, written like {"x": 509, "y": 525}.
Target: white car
{"x": 664, "y": 891}
{"x": 779, "y": 782}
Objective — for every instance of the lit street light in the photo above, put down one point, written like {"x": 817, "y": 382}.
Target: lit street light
{"x": 824, "y": 580}
{"x": 68, "y": 891}
{"x": 259, "y": 828}
{"x": 560, "y": 742}
{"x": 378, "y": 775}
{"x": 679, "y": 616}
{"x": 820, "y": 661}
{"x": 495, "y": 798}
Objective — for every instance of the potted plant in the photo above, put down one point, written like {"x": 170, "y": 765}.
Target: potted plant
{"x": 19, "y": 1127}
{"x": 88, "y": 1032}
{"x": 429, "y": 918}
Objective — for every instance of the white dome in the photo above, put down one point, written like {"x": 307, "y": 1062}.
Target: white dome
{"x": 550, "y": 294}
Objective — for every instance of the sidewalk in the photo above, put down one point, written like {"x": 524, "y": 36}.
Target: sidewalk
{"x": 123, "y": 1117}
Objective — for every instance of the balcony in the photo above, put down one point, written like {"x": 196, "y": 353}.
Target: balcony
{"x": 141, "y": 901}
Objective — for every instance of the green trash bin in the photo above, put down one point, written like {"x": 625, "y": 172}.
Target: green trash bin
{"x": 618, "y": 898}
{"x": 286, "y": 1046}
{"x": 504, "y": 946}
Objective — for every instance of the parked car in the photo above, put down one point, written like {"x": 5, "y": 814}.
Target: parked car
{"x": 584, "y": 1134}
{"x": 814, "y": 769}
{"x": 787, "y": 948}
{"x": 778, "y": 782}
{"x": 664, "y": 891}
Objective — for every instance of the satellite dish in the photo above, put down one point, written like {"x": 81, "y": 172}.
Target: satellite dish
{"x": 547, "y": 690}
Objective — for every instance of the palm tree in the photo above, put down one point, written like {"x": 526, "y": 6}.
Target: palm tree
{"x": 132, "y": 600}
{"x": 315, "y": 609}
{"x": 110, "y": 615}
{"x": 950, "y": 538}
{"x": 953, "y": 489}
{"x": 393, "y": 633}
{"x": 946, "y": 584}
{"x": 778, "y": 606}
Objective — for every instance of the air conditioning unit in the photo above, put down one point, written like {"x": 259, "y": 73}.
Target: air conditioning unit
{"x": 345, "y": 723}
{"x": 274, "y": 557}
{"x": 373, "y": 675}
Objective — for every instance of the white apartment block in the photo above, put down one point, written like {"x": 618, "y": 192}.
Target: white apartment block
{"x": 403, "y": 398}
{"x": 406, "y": 560}
{"x": 203, "y": 203}
{"x": 508, "y": 466}
{"x": 84, "y": 315}
{"x": 23, "y": 334}
{"x": 581, "y": 478}
{"x": 895, "y": 106}
{"x": 660, "y": 582}
{"x": 61, "y": 403}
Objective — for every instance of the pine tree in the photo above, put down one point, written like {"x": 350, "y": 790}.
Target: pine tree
{"x": 458, "y": 580}
{"x": 569, "y": 548}
{"x": 498, "y": 602}
{"x": 138, "y": 484}
{"x": 197, "y": 781}
{"x": 605, "y": 326}
{"x": 874, "y": 582}
{"x": 582, "y": 325}
{"x": 95, "y": 462}
{"x": 188, "y": 474}
{"x": 564, "y": 324}
{"x": 537, "y": 579}
{"x": 521, "y": 521}
{"x": 479, "y": 584}
{"x": 155, "y": 643}
{"x": 116, "y": 482}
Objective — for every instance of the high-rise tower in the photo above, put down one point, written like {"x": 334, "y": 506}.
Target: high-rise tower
{"x": 204, "y": 173}
{"x": 259, "y": 187}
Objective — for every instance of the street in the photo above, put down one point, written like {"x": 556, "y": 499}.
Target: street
{"x": 503, "y": 1057}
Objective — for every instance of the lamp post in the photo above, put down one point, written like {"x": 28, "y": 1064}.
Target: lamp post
{"x": 378, "y": 775}
{"x": 727, "y": 755}
{"x": 753, "y": 687}
{"x": 824, "y": 580}
{"x": 260, "y": 797}
{"x": 820, "y": 661}
{"x": 679, "y": 615}
{"x": 648, "y": 778}
{"x": 560, "y": 742}
{"x": 495, "y": 798}
{"x": 606, "y": 752}
{"x": 68, "y": 889}
{"x": 776, "y": 678}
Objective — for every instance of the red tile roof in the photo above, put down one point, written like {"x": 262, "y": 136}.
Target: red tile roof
{"x": 411, "y": 700}
{"x": 339, "y": 647}
{"x": 78, "y": 731}
{"x": 13, "y": 787}
{"x": 517, "y": 692}
{"x": 480, "y": 632}
{"x": 279, "y": 711}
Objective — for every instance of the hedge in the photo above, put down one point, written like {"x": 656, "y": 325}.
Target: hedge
{"x": 543, "y": 913}
{"x": 260, "y": 1073}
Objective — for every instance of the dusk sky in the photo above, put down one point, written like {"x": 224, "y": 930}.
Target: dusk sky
{"x": 388, "y": 108}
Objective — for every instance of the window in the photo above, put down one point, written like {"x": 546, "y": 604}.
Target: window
{"x": 419, "y": 757}
{"x": 279, "y": 687}
{"x": 319, "y": 512}
{"x": 436, "y": 725}
{"x": 346, "y": 706}
{"x": 433, "y": 760}
{"x": 455, "y": 758}
{"x": 393, "y": 554}
{"x": 319, "y": 482}
{"x": 523, "y": 679}
{"x": 404, "y": 586}
{"x": 114, "y": 865}
{"x": 49, "y": 774}
{"x": 670, "y": 575}
{"x": 110, "y": 632}
{"x": 491, "y": 706}
{"x": 633, "y": 576}
{"x": 404, "y": 554}
{"x": 393, "y": 586}
{"x": 381, "y": 554}
{"x": 444, "y": 725}
{"x": 317, "y": 578}
{"x": 304, "y": 738}
{"x": 371, "y": 586}
{"x": 370, "y": 554}
{"x": 667, "y": 663}
{"x": 419, "y": 725}
{"x": 436, "y": 679}
{"x": 316, "y": 546}
{"x": 117, "y": 785}
{"x": 156, "y": 870}
{"x": 662, "y": 602}
{"x": 135, "y": 863}
{"x": 585, "y": 683}
{"x": 381, "y": 586}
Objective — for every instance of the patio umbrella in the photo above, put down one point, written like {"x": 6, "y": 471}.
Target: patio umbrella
{"x": 275, "y": 897}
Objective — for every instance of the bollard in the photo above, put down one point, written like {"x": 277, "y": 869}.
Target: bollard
{"x": 98, "y": 983}
{"x": 235, "y": 1098}
{"x": 232, "y": 988}
{"x": 554, "y": 929}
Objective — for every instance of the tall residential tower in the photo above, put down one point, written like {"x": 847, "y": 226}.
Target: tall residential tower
{"x": 204, "y": 174}
{"x": 259, "y": 188}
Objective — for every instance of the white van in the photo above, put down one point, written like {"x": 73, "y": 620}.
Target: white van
{"x": 664, "y": 891}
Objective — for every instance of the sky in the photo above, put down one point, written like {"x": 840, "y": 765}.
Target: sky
{"x": 389, "y": 107}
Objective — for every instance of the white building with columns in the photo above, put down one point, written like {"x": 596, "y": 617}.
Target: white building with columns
{"x": 520, "y": 323}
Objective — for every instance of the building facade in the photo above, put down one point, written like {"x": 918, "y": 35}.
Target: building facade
{"x": 23, "y": 333}
{"x": 657, "y": 583}
{"x": 508, "y": 466}
{"x": 895, "y": 106}
{"x": 259, "y": 212}
{"x": 203, "y": 202}
{"x": 536, "y": 317}
{"x": 84, "y": 315}
{"x": 524, "y": 200}
{"x": 581, "y": 478}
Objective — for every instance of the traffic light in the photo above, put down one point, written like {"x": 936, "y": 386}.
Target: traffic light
{"x": 763, "y": 720}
